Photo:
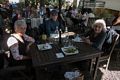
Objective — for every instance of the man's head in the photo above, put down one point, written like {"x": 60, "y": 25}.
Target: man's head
{"x": 54, "y": 15}
{"x": 20, "y": 26}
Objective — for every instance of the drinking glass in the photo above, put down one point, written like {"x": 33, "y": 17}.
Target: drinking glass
{"x": 44, "y": 37}
{"x": 66, "y": 41}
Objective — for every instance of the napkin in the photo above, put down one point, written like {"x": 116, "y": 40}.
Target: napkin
{"x": 59, "y": 55}
{"x": 72, "y": 75}
{"x": 77, "y": 39}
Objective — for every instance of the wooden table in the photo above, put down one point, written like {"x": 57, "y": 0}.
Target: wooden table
{"x": 43, "y": 58}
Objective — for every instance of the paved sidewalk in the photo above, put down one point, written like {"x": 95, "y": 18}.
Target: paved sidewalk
{"x": 113, "y": 73}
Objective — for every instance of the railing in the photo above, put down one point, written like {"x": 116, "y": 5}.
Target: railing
{"x": 95, "y": 4}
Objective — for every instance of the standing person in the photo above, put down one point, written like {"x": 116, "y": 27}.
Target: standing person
{"x": 16, "y": 16}
{"x": 47, "y": 14}
{"x": 97, "y": 35}
{"x": 19, "y": 44}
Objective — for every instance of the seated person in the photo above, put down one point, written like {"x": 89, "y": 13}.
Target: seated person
{"x": 97, "y": 35}
{"x": 19, "y": 43}
{"x": 52, "y": 23}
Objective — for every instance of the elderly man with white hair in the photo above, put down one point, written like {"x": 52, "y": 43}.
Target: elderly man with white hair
{"x": 97, "y": 35}
{"x": 19, "y": 42}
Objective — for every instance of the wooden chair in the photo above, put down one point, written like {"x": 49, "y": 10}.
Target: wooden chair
{"x": 108, "y": 49}
{"x": 17, "y": 69}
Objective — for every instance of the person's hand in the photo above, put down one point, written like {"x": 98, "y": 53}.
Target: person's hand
{"x": 31, "y": 39}
{"x": 86, "y": 40}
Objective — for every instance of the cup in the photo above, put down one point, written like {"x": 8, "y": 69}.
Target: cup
{"x": 44, "y": 37}
{"x": 66, "y": 41}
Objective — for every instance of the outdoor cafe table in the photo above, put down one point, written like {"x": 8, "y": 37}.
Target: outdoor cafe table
{"x": 44, "y": 58}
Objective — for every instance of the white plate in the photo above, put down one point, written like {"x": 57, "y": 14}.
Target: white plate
{"x": 75, "y": 51}
{"x": 44, "y": 46}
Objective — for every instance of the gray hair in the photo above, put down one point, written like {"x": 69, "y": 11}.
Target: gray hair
{"x": 101, "y": 21}
{"x": 20, "y": 23}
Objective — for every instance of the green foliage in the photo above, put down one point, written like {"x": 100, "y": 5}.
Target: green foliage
{"x": 1, "y": 1}
{"x": 105, "y": 15}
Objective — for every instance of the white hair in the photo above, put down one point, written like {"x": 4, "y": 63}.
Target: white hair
{"x": 20, "y": 23}
{"x": 101, "y": 21}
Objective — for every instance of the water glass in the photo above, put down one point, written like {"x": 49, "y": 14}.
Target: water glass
{"x": 66, "y": 41}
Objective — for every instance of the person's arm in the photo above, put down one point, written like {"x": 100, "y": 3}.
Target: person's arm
{"x": 86, "y": 36}
{"x": 87, "y": 40}
{"x": 13, "y": 46}
{"x": 99, "y": 41}
{"x": 116, "y": 21}
{"x": 28, "y": 38}
{"x": 15, "y": 53}
{"x": 31, "y": 41}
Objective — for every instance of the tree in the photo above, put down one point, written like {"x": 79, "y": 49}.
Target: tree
{"x": 1, "y": 1}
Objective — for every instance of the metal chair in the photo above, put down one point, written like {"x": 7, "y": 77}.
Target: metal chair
{"x": 108, "y": 49}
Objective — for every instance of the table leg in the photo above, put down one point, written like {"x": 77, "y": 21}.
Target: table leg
{"x": 37, "y": 74}
{"x": 96, "y": 67}
{"x": 91, "y": 65}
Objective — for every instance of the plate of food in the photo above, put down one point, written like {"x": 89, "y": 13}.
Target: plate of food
{"x": 69, "y": 50}
{"x": 44, "y": 46}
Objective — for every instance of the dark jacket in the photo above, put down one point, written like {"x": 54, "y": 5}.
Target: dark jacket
{"x": 51, "y": 26}
{"x": 22, "y": 51}
{"x": 98, "y": 40}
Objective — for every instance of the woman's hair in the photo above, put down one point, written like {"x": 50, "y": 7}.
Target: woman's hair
{"x": 20, "y": 23}
{"x": 100, "y": 21}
